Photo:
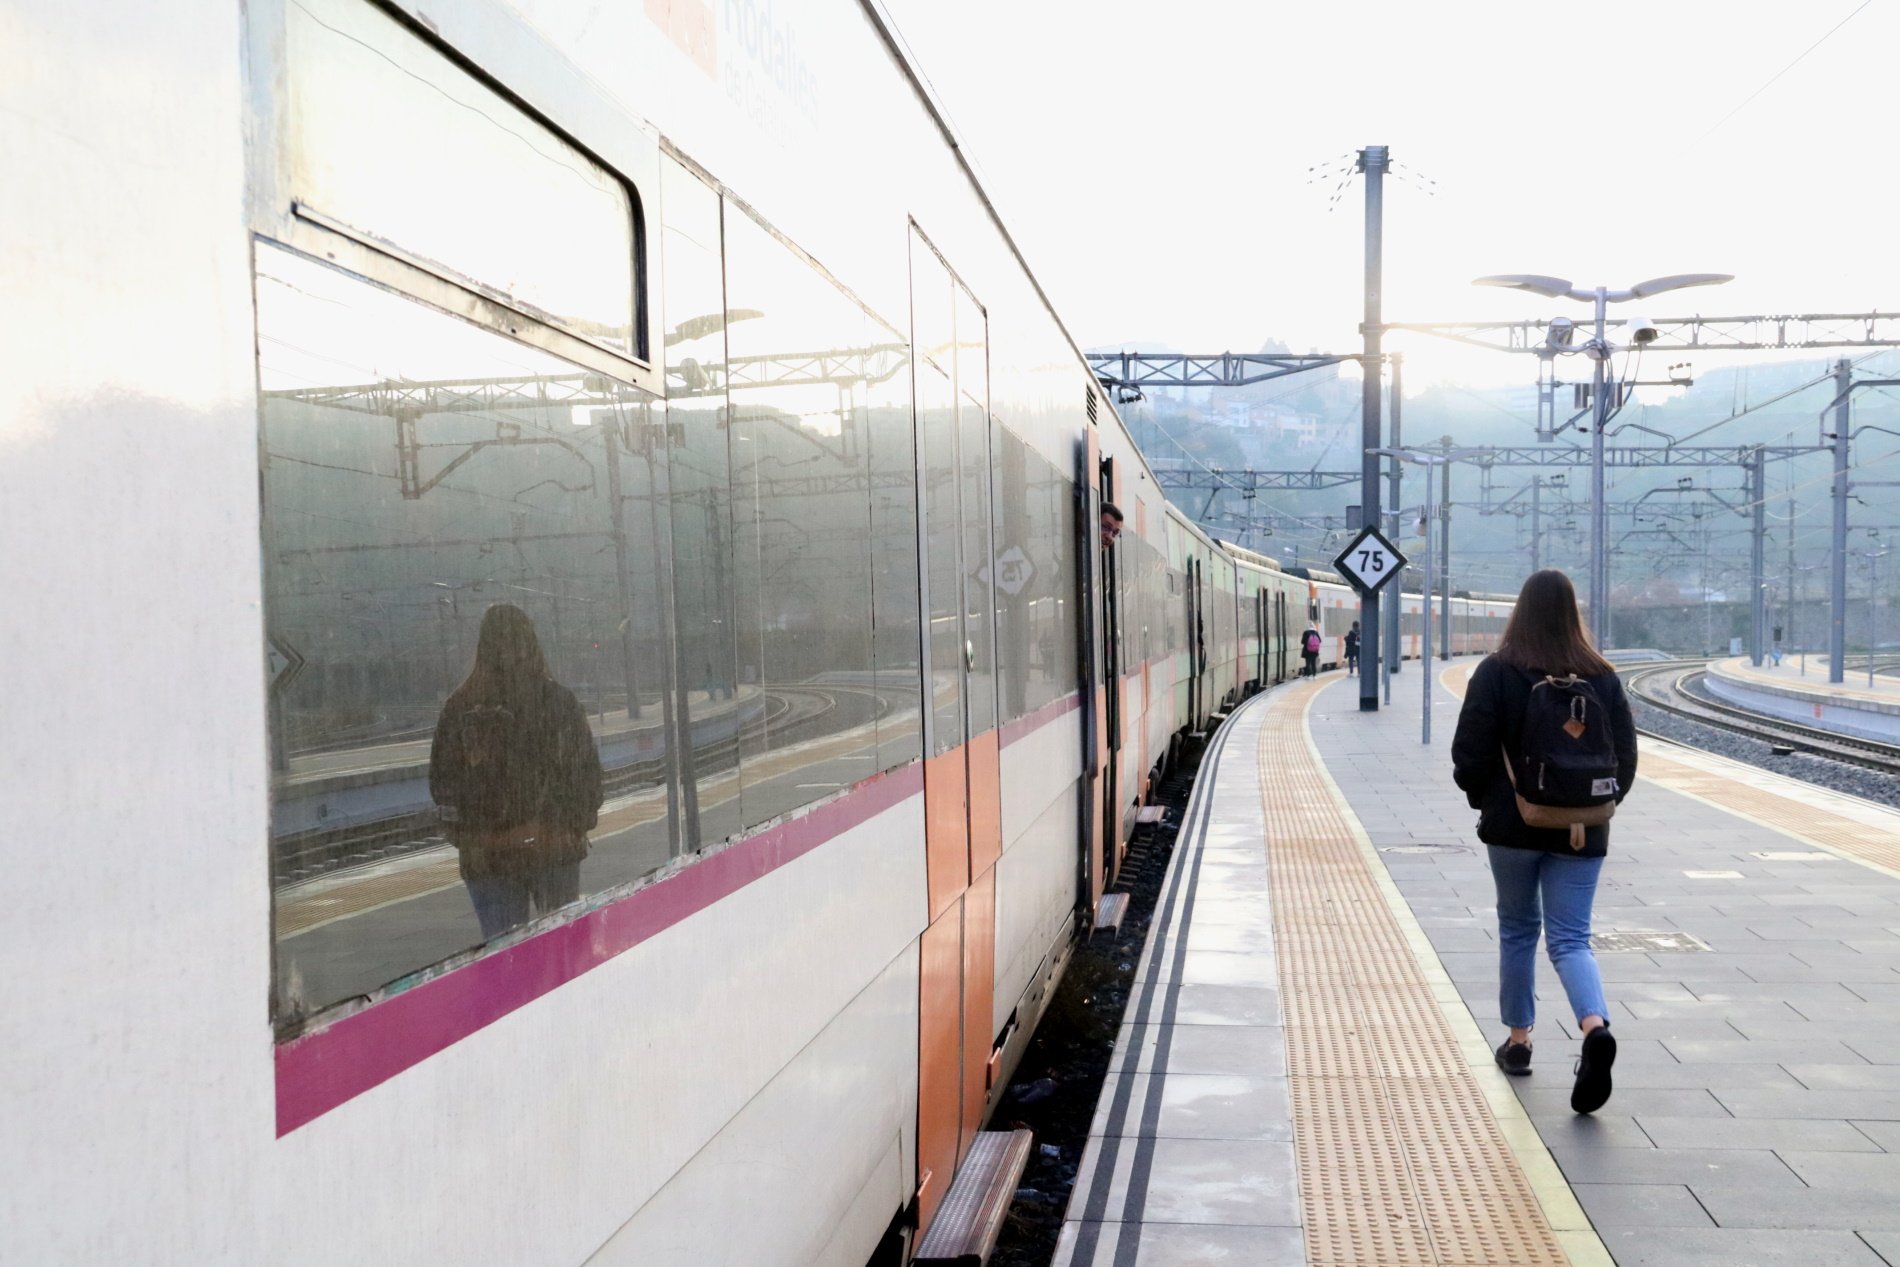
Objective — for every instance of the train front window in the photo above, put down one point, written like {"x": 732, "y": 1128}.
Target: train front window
{"x": 465, "y": 630}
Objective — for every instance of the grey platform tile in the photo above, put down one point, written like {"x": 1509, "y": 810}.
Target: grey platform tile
{"x": 1246, "y": 939}
{"x": 1875, "y": 1053}
{"x": 1689, "y": 1166}
{"x": 1877, "y": 1171}
{"x": 1247, "y": 1183}
{"x": 1609, "y": 1131}
{"x": 1252, "y": 1050}
{"x": 1200, "y": 1106}
{"x": 1736, "y": 1247}
{"x": 1699, "y": 1028}
{"x": 1222, "y": 967}
{"x": 1776, "y": 1133}
{"x": 1745, "y": 1051}
{"x": 1869, "y": 1029}
{"x": 1777, "y": 992}
{"x": 1848, "y": 1077}
{"x": 1226, "y": 1005}
{"x": 1873, "y": 1106}
{"x": 1845, "y": 1209}
{"x": 1716, "y": 1009}
{"x": 1678, "y": 1076}
{"x": 1886, "y": 1244}
{"x": 1888, "y": 995}
{"x": 1182, "y": 1245}
{"x": 1613, "y": 1205}
{"x": 1634, "y": 1101}
{"x": 1885, "y": 1134}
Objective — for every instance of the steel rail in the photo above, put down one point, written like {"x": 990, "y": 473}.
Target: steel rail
{"x": 1674, "y": 689}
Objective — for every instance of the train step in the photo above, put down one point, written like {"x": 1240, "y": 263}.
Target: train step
{"x": 968, "y": 1222}
{"x": 1110, "y": 910}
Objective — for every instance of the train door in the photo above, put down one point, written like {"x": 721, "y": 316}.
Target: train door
{"x": 1195, "y": 643}
{"x": 962, "y": 801}
{"x": 1109, "y": 610}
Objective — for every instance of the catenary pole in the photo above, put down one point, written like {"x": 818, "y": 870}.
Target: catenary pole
{"x": 1837, "y": 556}
{"x": 1373, "y": 161}
{"x": 1444, "y": 555}
{"x": 1392, "y": 592}
{"x": 1758, "y": 604}
{"x": 1425, "y": 616}
{"x": 1537, "y": 487}
{"x": 1599, "y": 520}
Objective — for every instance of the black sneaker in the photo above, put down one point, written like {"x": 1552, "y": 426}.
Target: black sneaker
{"x": 1593, "y": 1071}
{"x": 1515, "y": 1059}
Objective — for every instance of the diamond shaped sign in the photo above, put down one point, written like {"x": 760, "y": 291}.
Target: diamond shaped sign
{"x": 1370, "y": 561}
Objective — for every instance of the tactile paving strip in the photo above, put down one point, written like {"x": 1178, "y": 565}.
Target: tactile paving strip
{"x": 1400, "y": 1159}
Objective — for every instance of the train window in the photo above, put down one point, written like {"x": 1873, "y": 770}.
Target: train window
{"x": 390, "y": 141}
{"x": 979, "y": 552}
{"x": 801, "y": 466}
{"x": 932, "y": 310}
{"x": 704, "y": 583}
{"x": 466, "y": 632}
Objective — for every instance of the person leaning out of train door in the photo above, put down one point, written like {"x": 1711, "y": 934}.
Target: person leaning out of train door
{"x": 517, "y": 775}
{"x": 1546, "y": 737}
{"x": 1111, "y": 524}
{"x": 1352, "y": 649}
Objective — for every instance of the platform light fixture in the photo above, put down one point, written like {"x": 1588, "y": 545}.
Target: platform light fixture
{"x": 1598, "y": 350}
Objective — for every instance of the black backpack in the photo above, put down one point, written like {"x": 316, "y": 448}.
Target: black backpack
{"x": 1564, "y": 771}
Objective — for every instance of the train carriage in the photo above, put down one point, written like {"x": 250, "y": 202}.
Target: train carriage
{"x": 796, "y": 477}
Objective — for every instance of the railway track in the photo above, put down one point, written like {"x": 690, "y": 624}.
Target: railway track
{"x": 1670, "y": 686}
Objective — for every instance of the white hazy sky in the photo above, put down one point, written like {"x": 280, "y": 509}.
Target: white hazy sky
{"x": 1152, "y": 160}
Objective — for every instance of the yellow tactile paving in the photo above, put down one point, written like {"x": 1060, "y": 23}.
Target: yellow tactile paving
{"x": 1401, "y": 1157}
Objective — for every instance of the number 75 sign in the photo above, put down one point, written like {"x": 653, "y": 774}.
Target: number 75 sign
{"x": 1370, "y": 561}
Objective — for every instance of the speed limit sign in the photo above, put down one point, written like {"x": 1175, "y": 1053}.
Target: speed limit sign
{"x": 1370, "y": 561}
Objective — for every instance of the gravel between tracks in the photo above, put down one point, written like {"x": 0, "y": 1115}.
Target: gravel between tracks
{"x": 1821, "y": 771}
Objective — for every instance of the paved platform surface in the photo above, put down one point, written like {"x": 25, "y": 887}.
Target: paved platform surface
{"x": 1756, "y": 1118}
{"x": 1854, "y": 691}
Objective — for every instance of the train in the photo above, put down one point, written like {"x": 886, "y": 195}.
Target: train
{"x": 684, "y": 334}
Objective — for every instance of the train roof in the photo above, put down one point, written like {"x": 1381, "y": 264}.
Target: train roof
{"x": 1254, "y": 557}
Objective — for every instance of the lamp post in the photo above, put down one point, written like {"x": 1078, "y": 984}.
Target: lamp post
{"x": 1598, "y": 349}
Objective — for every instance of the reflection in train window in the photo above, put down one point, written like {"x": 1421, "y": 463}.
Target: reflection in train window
{"x": 803, "y": 358}
{"x": 466, "y": 632}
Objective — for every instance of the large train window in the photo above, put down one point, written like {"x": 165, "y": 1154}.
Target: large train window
{"x": 388, "y": 141}
{"x": 465, "y": 614}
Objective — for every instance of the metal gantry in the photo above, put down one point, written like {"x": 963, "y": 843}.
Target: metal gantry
{"x": 1758, "y": 333}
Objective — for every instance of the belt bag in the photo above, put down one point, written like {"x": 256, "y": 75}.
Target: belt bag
{"x": 1575, "y": 818}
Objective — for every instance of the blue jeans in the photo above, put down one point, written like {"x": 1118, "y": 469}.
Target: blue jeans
{"x": 502, "y": 903}
{"x": 1552, "y": 894}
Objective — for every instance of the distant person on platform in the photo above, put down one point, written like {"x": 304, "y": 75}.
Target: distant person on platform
{"x": 1309, "y": 652}
{"x": 1352, "y": 649}
{"x": 1111, "y": 524}
{"x": 516, "y": 772}
{"x": 1546, "y": 736}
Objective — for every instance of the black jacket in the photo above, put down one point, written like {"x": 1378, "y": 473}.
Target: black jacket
{"x": 1488, "y": 726}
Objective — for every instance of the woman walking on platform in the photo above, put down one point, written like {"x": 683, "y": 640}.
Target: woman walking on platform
{"x": 1546, "y": 736}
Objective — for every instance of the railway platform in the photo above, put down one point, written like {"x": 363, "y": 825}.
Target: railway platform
{"x": 1871, "y": 711}
{"x": 1304, "y": 1073}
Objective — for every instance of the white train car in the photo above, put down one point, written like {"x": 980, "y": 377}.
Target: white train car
{"x": 683, "y": 332}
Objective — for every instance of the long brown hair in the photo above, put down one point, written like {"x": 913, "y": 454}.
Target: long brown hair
{"x": 507, "y": 655}
{"x": 1546, "y": 634}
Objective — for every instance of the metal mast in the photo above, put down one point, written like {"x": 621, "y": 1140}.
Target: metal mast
{"x": 1373, "y": 161}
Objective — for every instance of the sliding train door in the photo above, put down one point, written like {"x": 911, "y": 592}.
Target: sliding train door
{"x": 1109, "y": 609}
{"x": 962, "y": 799}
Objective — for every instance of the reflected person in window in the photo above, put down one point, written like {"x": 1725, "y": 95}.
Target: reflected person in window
{"x": 516, "y": 772}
